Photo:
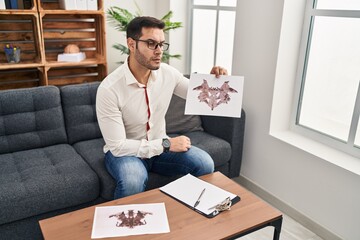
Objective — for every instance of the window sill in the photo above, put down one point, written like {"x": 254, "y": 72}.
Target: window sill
{"x": 319, "y": 150}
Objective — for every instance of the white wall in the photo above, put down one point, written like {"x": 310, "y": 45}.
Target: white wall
{"x": 179, "y": 37}
{"x": 113, "y": 36}
{"x": 155, "y": 8}
{"x": 327, "y": 194}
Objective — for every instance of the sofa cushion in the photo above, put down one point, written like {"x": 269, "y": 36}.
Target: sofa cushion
{"x": 78, "y": 103}
{"x": 179, "y": 123}
{"x": 44, "y": 179}
{"x": 219, "y": 149}
{"x": 93, "y": 154}
{"x": 30, "y": 118}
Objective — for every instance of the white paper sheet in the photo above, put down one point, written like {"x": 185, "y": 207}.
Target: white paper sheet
{"x": 126, "y": 220}
{"x": 188, "y": 188}
{"x": 208, "y": 95}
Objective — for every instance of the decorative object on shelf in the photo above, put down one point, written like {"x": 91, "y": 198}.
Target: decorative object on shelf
{"x": 71, "y": 48}
{"x": 12, "y": 53}
{"x": 71, "y": 54}
{"x": 120, "y": 18}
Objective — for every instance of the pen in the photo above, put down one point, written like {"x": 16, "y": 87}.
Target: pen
{"x": 198, "y": 200}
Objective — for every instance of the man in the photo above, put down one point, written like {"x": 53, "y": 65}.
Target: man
{"x": 131, "y": 105}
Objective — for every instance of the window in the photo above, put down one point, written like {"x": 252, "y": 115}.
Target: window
{"x": 212, "y": 34}
{"x": 328, "y": 99}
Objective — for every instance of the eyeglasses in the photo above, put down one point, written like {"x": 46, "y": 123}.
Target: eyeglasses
{"x": 153, "y": 45}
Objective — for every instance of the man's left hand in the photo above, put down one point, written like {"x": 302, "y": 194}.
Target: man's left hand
{"x": 217, "y": 70}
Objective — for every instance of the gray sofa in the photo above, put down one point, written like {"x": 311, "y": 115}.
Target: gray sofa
{"x": 51, "y": 157}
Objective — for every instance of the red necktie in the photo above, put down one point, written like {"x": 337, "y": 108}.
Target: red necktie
{"x": 148, "y": 109}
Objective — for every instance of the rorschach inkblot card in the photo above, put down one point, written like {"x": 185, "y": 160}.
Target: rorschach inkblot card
{"x": 208, "y": 95}
{"x": 127, "y": 220}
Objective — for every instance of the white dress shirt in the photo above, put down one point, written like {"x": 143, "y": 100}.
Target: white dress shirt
{"x": 122, "y": 110}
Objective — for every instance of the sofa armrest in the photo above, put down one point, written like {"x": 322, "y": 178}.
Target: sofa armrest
{"x": 231, "y": 130}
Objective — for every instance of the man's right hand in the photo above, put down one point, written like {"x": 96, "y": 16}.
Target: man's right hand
{"x": 180, "y": 144}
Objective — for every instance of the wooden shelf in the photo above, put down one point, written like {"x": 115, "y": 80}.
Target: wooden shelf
{"x": 22, "y": 64}
{"x": 18, "y": 12}
{"x": 69, "y": 74}
{"x": 71, "y": 12}
{"x": 22, "y": 77}
{"x": 42, "y": 33}
{"x": 90, "y": 61}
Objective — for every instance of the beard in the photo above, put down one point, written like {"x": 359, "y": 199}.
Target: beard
{"x": 152, "y": 63}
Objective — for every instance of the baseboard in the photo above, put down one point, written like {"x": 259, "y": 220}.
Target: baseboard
{"x": 286, "y": 209}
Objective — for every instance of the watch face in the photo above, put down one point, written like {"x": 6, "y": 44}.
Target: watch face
{"x": 166, "y": 143}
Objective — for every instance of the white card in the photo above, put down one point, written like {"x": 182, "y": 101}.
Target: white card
{"x": 128, "y": 220}
{"x": 208, "y": 95}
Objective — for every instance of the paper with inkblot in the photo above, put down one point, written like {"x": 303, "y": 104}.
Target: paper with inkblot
{"x": 208, "y": 95}
{"x": 127, "y": 220}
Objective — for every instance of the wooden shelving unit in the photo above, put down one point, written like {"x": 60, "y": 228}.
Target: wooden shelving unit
{"x": 42, "y": 32}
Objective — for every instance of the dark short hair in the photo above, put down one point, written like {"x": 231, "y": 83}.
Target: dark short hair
{"x": 135, "y": 26}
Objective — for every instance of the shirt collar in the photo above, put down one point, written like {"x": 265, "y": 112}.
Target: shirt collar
{"x": 130, "y": 79}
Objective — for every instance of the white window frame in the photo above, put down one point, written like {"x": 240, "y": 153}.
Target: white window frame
{"x": 218, "y": 8}
{"x": 348, "y": 147}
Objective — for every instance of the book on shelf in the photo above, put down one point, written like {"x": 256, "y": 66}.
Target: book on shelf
{"x": 92, "y": 5}
{"x": 7, "y": 4}
{"x": 27, "y": 4}
{"x": 20, "y": 4}
{"x": 14, "y": 4}
{"x": 2, "y": 4}
{"x": 68, "y": 4}
{"x": 81, "y": 4}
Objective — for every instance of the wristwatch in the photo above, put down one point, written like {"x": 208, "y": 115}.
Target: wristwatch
{"x": 166, "y": 144}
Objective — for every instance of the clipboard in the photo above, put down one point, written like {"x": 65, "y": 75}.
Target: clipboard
{"x": 187, "y": 190}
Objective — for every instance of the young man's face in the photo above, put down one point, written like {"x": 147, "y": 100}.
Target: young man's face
{"x": 146, "y": 57}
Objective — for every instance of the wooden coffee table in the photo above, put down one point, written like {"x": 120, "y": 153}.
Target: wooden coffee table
{"x": 246, "y": 216}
